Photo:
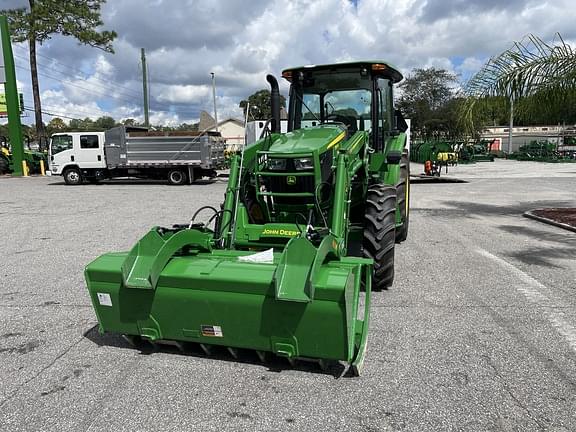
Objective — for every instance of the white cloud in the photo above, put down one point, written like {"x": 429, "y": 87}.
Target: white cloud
{"x": 182, "y": 93}
{"x": 185, "y": 40}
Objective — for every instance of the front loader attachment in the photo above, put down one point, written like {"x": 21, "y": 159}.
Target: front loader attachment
{"x": 174, "y": 286}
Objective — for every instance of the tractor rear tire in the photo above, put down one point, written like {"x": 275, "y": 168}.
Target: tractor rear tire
{"x": 380, "y": 233}
{"x": 177, "y": 177}
{"x": 403, "y": 198}
{"x": 4, "y": 166}
{"x": 72, "y": 176}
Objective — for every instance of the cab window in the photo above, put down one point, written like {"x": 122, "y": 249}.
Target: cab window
{"x": 310, "y": 110}
{"x": 61, "y": 143}
{"x": 88, "y": 141}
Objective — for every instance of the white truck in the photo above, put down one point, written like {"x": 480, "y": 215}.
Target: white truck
{"x": 179, "y": 158}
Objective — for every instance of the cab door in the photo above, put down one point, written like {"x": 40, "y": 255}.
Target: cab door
{"x": 61, "y": 151}
{"x": 89, "y": 150}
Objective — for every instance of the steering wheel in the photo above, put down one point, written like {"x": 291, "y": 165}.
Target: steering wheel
{"x": 349, "y": 121}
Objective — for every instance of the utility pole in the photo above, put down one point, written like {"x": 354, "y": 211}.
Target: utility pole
{"x": 511, "y": 124}
{"x": 8, "y": 77}
{"x": 145, "y": 88}
{"x": 214, "y": 98}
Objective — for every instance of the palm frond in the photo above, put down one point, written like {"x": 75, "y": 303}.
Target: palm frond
{"x": 536, "y": 74}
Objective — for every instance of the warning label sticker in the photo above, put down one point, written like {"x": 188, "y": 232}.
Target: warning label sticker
{"x": 211, "y": 331}
{"x": 104, "y": 299}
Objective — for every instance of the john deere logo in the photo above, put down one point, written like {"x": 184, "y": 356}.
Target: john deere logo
{"x": 291, "y": 180}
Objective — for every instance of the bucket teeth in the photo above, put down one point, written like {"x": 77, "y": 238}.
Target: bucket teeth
{"x": 236, "y": 353}
{"x": 132, "y": 340}
{"x": 261, "y": 356}
{"x": 208, "y": 349}
{"x": 175, "y": 343}
{"x": 233, "y": 352}
{"x": 155, "y": 346}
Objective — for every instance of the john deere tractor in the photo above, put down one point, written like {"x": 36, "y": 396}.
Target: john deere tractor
{"x": 310, "y": 219}
{"x": 31, "y": 157}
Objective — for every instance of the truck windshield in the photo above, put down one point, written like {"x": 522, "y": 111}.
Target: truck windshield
{"x": 59, "y": 143}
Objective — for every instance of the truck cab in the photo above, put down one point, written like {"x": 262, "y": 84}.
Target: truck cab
{"x": 71, "y": 153}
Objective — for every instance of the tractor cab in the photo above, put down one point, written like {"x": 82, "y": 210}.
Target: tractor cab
{"x": 356, "y": 95}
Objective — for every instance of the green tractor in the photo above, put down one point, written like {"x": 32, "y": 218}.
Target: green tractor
{"x": 310, "y": 220}
{"x": 31, "y": 157}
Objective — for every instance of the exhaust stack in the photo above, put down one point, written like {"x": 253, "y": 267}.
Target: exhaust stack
{"x": 274, "y": 103}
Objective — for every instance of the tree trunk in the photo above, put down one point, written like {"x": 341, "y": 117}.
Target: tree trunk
{"x": 40, "y": 129}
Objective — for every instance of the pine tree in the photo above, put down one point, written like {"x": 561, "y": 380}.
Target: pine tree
{"x": 45, "y": 18}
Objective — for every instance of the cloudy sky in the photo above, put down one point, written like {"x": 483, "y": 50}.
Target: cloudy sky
{"x": 242, "y": 41}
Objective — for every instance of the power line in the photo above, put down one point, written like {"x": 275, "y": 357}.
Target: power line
{"x": 77, "y": 110}
{"x": 134, "y": 96}
{"x": 78, "y": 71}
{"x": 91, "y": 91}
{"x": 170, "y": 110}
{"x": 53, "y": 114}
{"x": 100, "y": 93}
{"x": 104, "y": 87}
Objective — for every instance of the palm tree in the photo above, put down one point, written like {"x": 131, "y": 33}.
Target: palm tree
{"x": 536, "y": 76}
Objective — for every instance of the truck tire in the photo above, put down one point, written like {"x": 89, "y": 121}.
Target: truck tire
{"x": 403, "y": 198}
{"x": 177, "y": 177}
{"x": 380, "y": 233}
{"x": 72, "y": 176}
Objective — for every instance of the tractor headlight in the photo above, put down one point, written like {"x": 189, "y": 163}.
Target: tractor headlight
{"x": 276, "y": 164}
{"x": 303, "y": 164}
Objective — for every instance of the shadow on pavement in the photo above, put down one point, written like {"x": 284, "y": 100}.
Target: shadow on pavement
{"x": 272, "y": 362}
{"x": 474, "y": 208}
{"x": 556, "y": 237}
{"x": 541, "y": 256}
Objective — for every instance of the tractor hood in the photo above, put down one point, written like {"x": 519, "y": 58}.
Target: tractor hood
{"x": 309, "y": 140}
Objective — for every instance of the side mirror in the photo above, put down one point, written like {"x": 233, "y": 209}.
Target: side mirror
{"x": 399, "y": 122}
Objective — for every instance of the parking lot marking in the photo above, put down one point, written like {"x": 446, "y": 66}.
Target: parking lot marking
{"x": 532, "y": 291}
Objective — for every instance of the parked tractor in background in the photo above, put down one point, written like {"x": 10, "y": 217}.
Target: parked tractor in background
{"x": 476, "y": 152}
{"x": 310, "y": 219}
{"x": 32, "y": 158}
{"x": 541, "y": 151}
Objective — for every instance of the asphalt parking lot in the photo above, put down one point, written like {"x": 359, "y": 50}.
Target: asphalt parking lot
{"x": 478, "y": 332}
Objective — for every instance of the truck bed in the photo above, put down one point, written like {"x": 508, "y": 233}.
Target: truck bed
{"x": 125, "y": 149}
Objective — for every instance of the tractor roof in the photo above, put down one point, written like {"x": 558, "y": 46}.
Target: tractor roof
{"x": 379, "y": 66}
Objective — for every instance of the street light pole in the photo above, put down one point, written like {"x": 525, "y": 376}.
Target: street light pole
{"x": 511, "y": 124}
{"x": 145, "y": 88}
{"x": 214, "y": 98}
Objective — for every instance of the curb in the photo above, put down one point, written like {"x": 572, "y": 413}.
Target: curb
{"x": 531, "y": 215}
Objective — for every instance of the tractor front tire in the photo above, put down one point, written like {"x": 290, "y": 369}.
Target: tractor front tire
{"x": 403, "y": 198}
{"x": 72, "y": 176}
{"x": 380, "y": 233}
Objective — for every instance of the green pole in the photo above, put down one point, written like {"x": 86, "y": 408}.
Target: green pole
{"x": 12, "y": 102}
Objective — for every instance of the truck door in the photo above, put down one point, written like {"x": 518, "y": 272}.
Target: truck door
{"x": 61, "y": 152}
{"x": 90, "y": 151}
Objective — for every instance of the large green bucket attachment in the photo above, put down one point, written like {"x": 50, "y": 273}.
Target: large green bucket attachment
{"x": 174, "y": 286}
